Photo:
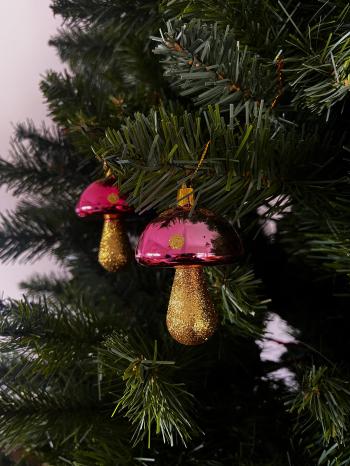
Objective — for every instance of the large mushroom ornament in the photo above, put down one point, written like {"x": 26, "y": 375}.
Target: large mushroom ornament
{"x": 189, "y": 239}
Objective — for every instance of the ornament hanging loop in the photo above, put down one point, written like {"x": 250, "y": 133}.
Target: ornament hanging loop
{"x": 201, "y": 160}
{"x": 185, "y": 195}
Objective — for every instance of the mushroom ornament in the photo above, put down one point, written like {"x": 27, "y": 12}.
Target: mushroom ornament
{"x": 102, "y": 199}
{"x": 189, "y": 239}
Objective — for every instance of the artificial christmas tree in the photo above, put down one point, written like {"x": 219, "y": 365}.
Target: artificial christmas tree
{"x": 90, "y": 375}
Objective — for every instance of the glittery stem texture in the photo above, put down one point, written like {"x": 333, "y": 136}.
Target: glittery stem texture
{"x": 114, "y": 251}
{"x": 191, "y": 317}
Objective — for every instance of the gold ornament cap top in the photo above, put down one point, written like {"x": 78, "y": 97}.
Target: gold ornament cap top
{"x": 185, "y": 196}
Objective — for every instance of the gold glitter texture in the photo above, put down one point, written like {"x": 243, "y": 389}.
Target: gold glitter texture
{"x": 114, "y": 251}
{"x": 176, "y": 241}
{"x": 112, "y": 198}
{"x": 191, "y": 317}
{"x": 185, "y": 196}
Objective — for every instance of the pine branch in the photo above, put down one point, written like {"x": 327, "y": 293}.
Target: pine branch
{"x": 319, "y": 69}
{"x": 138, "y": 17}
{"x": 150, "y": 399}
{"x": 211, "y": 67}
{"x": 82, "y": 49}
{"x": 313, "y": 38}
{"x": 248, "y": 18}
{"x": 260, "y": 25}
{"x": 83, "y": 105}
{"x": 238, "y": 292}
{"x": 54, "y": 398}
{"x": 50, "y": 284}
{"x": 129, "y": 65}
{"x": 244, "y": 166}
{"x": 33, "y": 230}
{"x": 49, "y": 339}
{"x": 151, "y": 150}
{"x": 57, "y": 427}
{"x": 39, "y": 162}
{"x": 68, "y": 96}
{"x": 325, "y": 401}
{"x": 319, "y": 235}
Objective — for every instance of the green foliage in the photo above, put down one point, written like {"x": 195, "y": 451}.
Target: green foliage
{"x": 136, "y": 15}
{"x": 52, "y": 384}
{"x": 33, "y": 230}
{"x": 39, "y": 332}
{"x": 81, "y": 49}
{"x": 244, "y": 165}
{"x": 254, "y": 83}
{"x": 61, "y": 381}
{"x": 149, "y": 398}
{"x": 257, "y": 24}
{"x": 320, "y": 76}
{"x": 324, "y": 399}
{"x": 40, "y": 161}
{"x": 312, "y": 37}
{"x": 238, "y": 292}
{"x": 323, "y": 404}
{"x": 211, "y": 67}
{"x": 150, "y": 150}
{"x": 321, "y": 237}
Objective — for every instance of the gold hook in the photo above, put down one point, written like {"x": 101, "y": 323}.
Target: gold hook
{"x": 185, "y": 195}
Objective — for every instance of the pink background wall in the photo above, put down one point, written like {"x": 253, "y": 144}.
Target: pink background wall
{"x": 26, "y": 26}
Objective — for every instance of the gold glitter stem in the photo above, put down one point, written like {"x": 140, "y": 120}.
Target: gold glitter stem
{"x": 191, "y": 317}
{"x": 115, "y": 251}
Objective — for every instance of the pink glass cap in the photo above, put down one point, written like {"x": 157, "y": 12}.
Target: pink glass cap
{"x": 175, "y": 238}
{"x": 100, "y": 198}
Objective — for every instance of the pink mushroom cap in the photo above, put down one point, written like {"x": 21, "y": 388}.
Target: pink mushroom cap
{"x": 100, "y": 198}
{"x": 178, "y": 238}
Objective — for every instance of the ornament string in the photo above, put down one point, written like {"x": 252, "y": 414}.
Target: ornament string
{"x": 201, "y": 160}
{"x": 280, "y": 66}
{"x": 185, "y": 195}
